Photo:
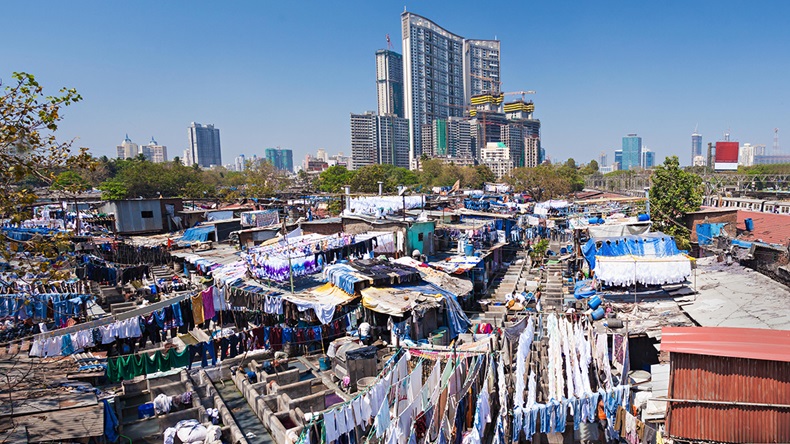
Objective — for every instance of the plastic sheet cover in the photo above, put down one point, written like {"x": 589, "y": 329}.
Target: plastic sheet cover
{"x": 655, "y": 244}
{"x": 197, "y": 234}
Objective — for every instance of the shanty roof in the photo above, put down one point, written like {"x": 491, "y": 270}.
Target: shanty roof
{"x": 768, "y": 227}
{"x": 748, "y": 343}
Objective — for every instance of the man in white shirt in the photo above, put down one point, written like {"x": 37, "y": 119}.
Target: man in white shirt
{"x": 364, "y": 332}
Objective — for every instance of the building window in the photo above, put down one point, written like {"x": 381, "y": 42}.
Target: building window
{"x": 147, "y": 214}
{"x": 420, "y": 237}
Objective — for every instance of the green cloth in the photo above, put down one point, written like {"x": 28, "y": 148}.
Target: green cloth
{"x": 151, "y": 363}
{"x": 179, "y": 359}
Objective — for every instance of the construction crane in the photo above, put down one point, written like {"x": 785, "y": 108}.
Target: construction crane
{"x": 522, "y": 93}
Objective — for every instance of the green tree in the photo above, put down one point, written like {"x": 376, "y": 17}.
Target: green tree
{"x": 71, "y": 182}
{"x": 29, "y": 148}
{"x": 674, "y": 192}
{"x": 542, "y": 182}
{"x": 333, "y": 179}
{"x": 264, "y": 180}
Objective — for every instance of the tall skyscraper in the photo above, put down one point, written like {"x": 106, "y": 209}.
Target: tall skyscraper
{"x": 648, "y": 159}
{"x": 632, "y": 152}
{"x": 696, "y": 145}
{"x": 127, "y": 149}
{"x": 240, "y": 163}
{"x": 364, "y": 139}
{"x": 618, "y": 159}
{"x": 155, "y": 152}
{"x": 389, "y": 82}
{"x": 433, "y": 68}
{"x": 393, "y": 140}
{"x": 204, "y": 147}
{"x": 521, "y": 130}
{"x": 379, "y": 139}
{"x": 481, "y": 68}
{"x": 281, "y": 158}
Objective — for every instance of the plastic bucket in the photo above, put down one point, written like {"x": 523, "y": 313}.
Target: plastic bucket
{"x": 324, "y": 364}
{"x": 643, "y": 217}
{"x": 594, "y": 302}
{"x": 598, "y": 314}
{"x": 469, "y": 249}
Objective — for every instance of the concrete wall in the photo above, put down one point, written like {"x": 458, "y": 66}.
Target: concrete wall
{"x": 728, "y": 217}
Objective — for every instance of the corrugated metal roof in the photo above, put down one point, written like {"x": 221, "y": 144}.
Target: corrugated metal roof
{"x": 748, "y": 343}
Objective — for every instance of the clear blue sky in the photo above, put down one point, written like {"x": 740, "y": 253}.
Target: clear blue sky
{"x": 289, "y": 73}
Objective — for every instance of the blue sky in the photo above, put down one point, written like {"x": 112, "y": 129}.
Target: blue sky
{"x": 289, "y": 73}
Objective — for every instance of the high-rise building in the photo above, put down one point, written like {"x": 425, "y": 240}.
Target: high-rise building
{"x": 389, "y": 82}
{"x": 521, "y": 126}
{"x": 393, "y": 140}
{"x": 154, "y": 152}
{"x": 618, "y": 159}
{"x": 364, "y": 139}
{"x": 433, "y": 75}
{"x": 441, "y": 72}
{"x": 496, "y": 155}
{"x": 603, "y": 159}
{"x": 746, "y": 155}
{"x": 632, "y": 152}
{"x": 379, "y": 139}
{"x": 461, "y": 138}
{"x": 127, "y": 149}
{"x": 240, "y": 163}
{"x": 481, "y": 67}
{"x": 648, "y": 158}
{"x": 696, "y": 145}
{"x": 204, "y": 147}
{"x": 532, "y": 152}
{"x": 281, "y": 158}
{"x": 320, "y": 154}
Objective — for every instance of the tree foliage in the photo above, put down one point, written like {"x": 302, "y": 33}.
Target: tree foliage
{"x": 674, "y": 192}
{"x": 542, "y": 182}
{"x": 333, "y": 179}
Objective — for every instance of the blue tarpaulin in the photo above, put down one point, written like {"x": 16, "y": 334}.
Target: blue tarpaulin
{"x": 654, "y": 244}
{"x": 457, "y": 322}
{"x": 197, "y": 234}
{"x": 706, "y": 232}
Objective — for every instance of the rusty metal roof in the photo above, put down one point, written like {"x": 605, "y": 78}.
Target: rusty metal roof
{"x": 748, "y": 343}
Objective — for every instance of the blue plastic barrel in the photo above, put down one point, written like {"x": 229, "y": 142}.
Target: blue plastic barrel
{"x": 594, "y": 302}
{"x": 643, "y": 217}
{"x": 563, "y": 250}
{"x": 749, "y": 224}
{"x": 323, "y": 364}
{"x": 598, "y": 314}
{"x": 469, "y": 250}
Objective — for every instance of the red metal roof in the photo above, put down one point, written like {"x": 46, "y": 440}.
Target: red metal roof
{"x": 748, "y": 343}
{"x": 769, "y": 227}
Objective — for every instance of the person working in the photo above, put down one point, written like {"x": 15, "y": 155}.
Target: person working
{"x": 364, "y": 332}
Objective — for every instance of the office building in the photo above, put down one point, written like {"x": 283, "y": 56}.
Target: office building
{"x": 726, "y": 156}
{"x": 533, "y": 153}
{"x": 204, "y": 146}
{"x": 648, "y": 158}
{"x": 454, "y": 138}
{"x": 127, "y": 149}
{"x": 746, "y": 154}
{"x": 521, "y": 130}
{"x": 481, "y": 67}
{"x": 618, "y": 159}
{"x": 496, "y": 155}
{"x": 763, "y": 159}
{"x": 696, "y": 145}
{"x": 364, "y": 139}
{"x": 438, "y": 74}
{"x": 632, "y": 152}
{"x": 389, "y": 82}
{"x": 603, "y": 159}
{"x": 320, "y": 154}
{"x": 240, "y": 163}
{"x": 392, "y": 140}
{"x": 379, "y": 139}
{"x": 281, "y": 158}
{"x": 154, "y": 152}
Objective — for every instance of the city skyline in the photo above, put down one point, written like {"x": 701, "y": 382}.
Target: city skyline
{"x": 595, "y": 81}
